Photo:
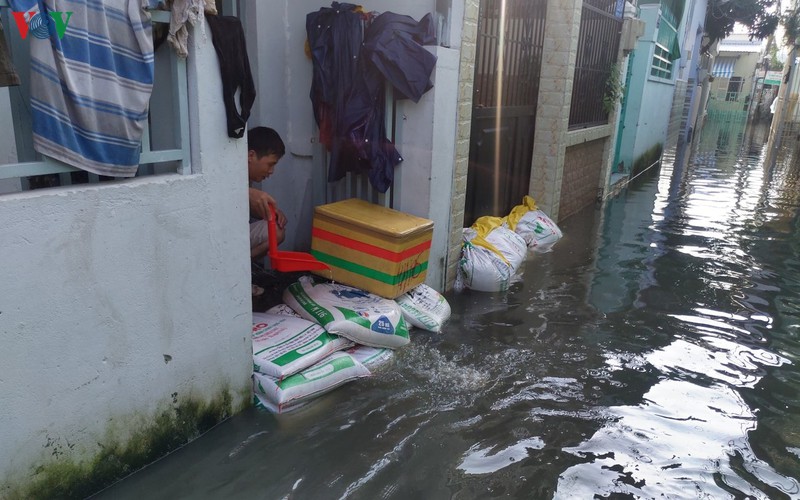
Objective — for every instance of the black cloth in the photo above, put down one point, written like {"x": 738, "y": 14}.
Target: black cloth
{"x": 393, "y": 43}
{"x": 227, "y": 35}
{"x": 334, "y": 36}
{"x": 8, "y": 76}
{"x": 352, "y": 65}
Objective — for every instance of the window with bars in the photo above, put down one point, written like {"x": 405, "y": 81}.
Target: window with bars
{"x": 735, "y": 86}
{"x": 598, "y": 44}
{"x": 661, "y": 66}
{"x": 666, "y": 48}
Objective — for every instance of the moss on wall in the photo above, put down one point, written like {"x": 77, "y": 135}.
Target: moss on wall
{"x": 149, "y": 438}
{"x": 648, "y": 158}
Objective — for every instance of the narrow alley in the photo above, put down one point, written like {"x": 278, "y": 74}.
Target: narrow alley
{"x": 652, "y": 354}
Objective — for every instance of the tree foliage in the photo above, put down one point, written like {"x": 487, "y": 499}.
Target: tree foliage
{"x": 759, "y": 16}
{"x": 791, "y": 27}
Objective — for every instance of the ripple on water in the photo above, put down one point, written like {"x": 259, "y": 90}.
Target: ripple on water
{"x": 678, "y": 440}
{"x": 483, "y": 460}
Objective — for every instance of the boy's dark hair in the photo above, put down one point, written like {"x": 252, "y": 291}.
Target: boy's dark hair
{"x": 265, "y": 141}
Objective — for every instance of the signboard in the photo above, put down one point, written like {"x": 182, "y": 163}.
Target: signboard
{"x": 773, "y": 78}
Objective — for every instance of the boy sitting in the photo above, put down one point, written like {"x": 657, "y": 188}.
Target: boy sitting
{"x": 265, "y": 149}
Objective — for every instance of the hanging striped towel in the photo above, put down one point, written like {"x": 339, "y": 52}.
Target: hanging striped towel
{"x": 90, "y": 90}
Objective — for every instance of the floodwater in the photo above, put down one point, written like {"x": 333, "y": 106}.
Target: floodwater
{"x": 653, "y": 354}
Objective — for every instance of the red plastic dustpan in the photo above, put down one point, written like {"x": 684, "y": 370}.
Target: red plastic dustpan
{"x": 287, "y": 262}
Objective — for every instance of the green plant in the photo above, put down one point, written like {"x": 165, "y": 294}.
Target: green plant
{"x": 614, "y": 89}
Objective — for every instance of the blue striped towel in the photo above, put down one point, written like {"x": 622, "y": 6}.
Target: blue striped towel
{"x": 90, "y": 90}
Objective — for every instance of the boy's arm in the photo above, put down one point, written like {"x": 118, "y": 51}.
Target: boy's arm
{"x": 259, "y": 203}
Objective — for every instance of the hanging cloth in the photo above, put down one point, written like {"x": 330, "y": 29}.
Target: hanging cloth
{"x": 183, "y": 12}
{"x": 352, "y": 66}
{"x": 227, "y": 36}
{"x": 8, "y": 76}
{"x": 90, "y": 90}
{"x": 334, "y": 35}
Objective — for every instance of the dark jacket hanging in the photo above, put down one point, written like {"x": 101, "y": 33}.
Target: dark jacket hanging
{"x": 351, "y": 68}
{"x": 227, "y": 36}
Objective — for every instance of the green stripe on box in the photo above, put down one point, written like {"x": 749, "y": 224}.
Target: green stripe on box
{"x": 368, "y": 271}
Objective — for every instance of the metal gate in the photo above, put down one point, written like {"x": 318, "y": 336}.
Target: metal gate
{"x": 508, "y": 63}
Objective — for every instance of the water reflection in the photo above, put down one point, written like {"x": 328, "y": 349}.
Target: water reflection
{"x": 702, "y": 243}
{"x": 680, "y": 442}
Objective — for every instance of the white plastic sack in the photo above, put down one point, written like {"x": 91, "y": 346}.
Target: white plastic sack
{"x": 538, "y": 230}
{"x": 260, "y": 401}
{"x": 283, "y": 345}
{"x": 283, "y": 310}
{"x": 482, "y": 269}
{"x": 343, "y": 310}
{"x": 424, "y": 308}
{"x": 510, "y": 244}
{"x": 325, "y": 376}
{"x": 373, "y": 358}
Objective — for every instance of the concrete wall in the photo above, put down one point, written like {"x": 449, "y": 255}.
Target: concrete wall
{"x": 425, "y": 178}
{"x": 466, "y": 77}
{"x": 123, "y": 302}
{"x": 654, "y": 118}
{"x": 425, "y": 132}
{"x": 562, "y": 27}
{"x": 650, "y": 98}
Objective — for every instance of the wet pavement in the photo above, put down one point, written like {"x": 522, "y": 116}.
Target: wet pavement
{"x": 653, "y": 354}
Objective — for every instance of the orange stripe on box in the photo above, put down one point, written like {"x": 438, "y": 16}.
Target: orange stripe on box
{"x": 370, "y": 249}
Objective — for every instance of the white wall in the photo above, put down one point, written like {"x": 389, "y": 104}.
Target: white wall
{"x": 116, "y": 296}
{"x": 276, "y": 36}
{"x": 425, "y": 178}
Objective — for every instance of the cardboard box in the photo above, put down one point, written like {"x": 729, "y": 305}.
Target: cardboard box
{"x": 371, "y": 247}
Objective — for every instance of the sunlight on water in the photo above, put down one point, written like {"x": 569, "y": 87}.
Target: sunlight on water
{"x": 485, "y": 460}
{"x": 678, "y": 443}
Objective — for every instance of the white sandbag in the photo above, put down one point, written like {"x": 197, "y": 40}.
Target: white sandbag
{"x": 510, "y": 244}
{"x": 343, "y": 310}
{"x": 424, "y": 308}
{"x": 283, "y": 310}
{"x": 538, "y": 230}
{"x": 373, "y": 358}
{"x": 482, "y": 269}
{"x": 283, "y": 345}
{"x": 260, "y": 401}
{"x": 325, "y": 376}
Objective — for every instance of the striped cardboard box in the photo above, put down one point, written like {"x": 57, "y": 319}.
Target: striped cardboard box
{"x": 371, "y": 247}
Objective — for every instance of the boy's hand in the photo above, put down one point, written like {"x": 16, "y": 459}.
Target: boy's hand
{"x": 280, "y": 218}
{"x": 260, "y": 202}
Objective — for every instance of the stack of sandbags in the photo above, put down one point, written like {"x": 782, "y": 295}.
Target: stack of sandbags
{"x": 333, "y": 317}
{"x": 295, "y": 360}
{"x": 494, "y": 248}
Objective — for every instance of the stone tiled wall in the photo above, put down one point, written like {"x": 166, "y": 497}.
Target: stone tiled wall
{"x": 469, "y": 38}
{"x": 555, "y": 97}
{"x": 581, "y": 176}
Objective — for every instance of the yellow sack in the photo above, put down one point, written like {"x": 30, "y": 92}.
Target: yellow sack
{"x": 517, "y": 212}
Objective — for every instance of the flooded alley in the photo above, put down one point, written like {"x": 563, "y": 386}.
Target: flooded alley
{"x": 653, "y": 354}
